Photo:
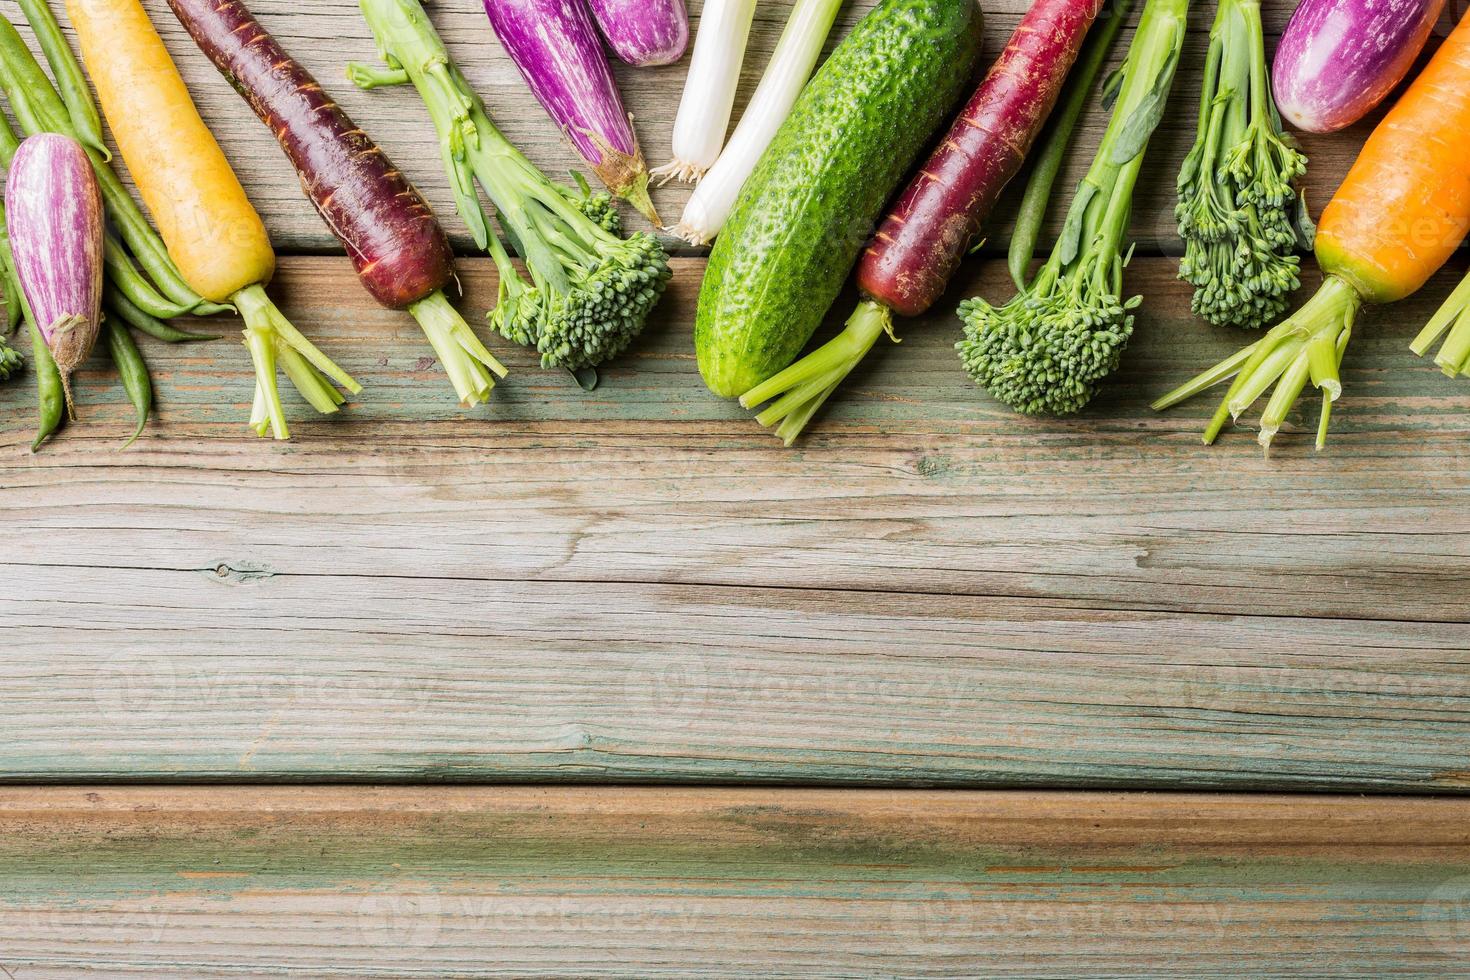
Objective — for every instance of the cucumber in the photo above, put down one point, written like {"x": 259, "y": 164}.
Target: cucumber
{"x": 817, "y": 193}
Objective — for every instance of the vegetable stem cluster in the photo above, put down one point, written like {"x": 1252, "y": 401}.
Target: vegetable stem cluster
{"x": 1046, "y": 351}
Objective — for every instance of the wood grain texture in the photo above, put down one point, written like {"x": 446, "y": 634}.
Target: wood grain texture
{"x": 326, "y": 34}
{"x": 644, "y": 883}
{"x": 642, "y": 584}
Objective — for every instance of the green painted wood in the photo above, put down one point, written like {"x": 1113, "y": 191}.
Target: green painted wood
{"x": 326, "y": 34}
{"x": 641, "y": 883}
{"x": 641, "y": 584}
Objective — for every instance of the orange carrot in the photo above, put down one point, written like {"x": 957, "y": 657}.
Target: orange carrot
{"x": 1401, "y": 212}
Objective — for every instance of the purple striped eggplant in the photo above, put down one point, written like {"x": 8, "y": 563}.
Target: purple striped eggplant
{"x": 53, "y": 213}
{"x": 1339, "y": 58}
{"x": 644, "y": 33}
{"x": 559, "y": 53}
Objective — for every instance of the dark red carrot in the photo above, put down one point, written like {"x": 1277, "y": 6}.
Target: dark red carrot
{"x": 400, "y": 250}
{"x": 937, "y": 218}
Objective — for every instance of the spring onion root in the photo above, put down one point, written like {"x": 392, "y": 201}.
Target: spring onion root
{"x": 791, "y": 65}
{"x": 709, "y": 91}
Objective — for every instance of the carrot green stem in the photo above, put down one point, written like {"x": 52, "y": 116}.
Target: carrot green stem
{"x": 1308, "y": 346}
{"x": 1453, "y": 317}
{"x": 470, "y": 366}
{"x": 272, "y": 340}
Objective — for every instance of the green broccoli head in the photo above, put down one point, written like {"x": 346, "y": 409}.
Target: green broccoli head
{"x": 607, "y": 306}
{"x": 11, "y": 363}
{"x": 1045, "y": 355}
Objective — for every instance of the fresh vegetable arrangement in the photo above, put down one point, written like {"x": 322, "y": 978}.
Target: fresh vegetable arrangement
{"x": 1398, "y": 216}
{"x": 809, "y": 207}
{"x": 1238, "y": 211}
{"x": 937, "y": 218}
{"x": 793, "y": 203}
{"x": 1338, "y": 59}
{"x": 213, "y": 233}
{"x": 1046, "y": 351}
{"x": 556, "y": 47}
{"x": 401, "y": 253}
{"x": 709, "y": 92}
{"x": 791, "y": 65}
{"x": 643, "y": 33}
{"x": 591, "y": 290}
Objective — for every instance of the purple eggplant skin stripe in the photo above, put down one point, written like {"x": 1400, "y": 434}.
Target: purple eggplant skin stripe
{"x": 559, "y": 53}
{"x": 644, "y": 33}
{"x": 54, "y": 218}
{"x": 1338, "y": 59}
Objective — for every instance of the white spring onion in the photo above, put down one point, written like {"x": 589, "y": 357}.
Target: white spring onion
{"x": 791, "y": 65}
{"x": 709, "y": 91}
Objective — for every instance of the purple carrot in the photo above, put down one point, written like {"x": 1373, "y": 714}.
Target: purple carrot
{"x": 937, "y": 218}
{"x": 1340, "y": 58}
{"x": 644, "y": 33}
{"x": 556, "y": 47}
{"x": 401, "y": 253}
{"x": 54, "y": 218}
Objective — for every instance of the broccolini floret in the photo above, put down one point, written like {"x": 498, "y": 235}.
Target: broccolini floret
{"x": 1238, "y": 211}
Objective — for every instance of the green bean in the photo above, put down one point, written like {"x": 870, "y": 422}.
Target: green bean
{"x": 8, "y": 283}
{"x": 67, "y": 71}
{"x": 9, "y": 142}
{"x": 25, "y": 72}
{"x": 124, "y": 273}
{"x": 39, "y": 109}
{"x": 121, "y": 307}
{"x": 50, "y": 392}
{"x": 1058, "y": 139}
{"x": 133, "y": 371}
{"x": 11, "y": 290}
{"x": 51, "y": 398}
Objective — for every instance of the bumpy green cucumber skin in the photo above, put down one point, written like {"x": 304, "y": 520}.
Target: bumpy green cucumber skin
{"x": 817, "y": 193}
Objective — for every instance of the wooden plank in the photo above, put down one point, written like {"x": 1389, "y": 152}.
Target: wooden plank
{"x": 326, "y": 34}
{"x": 642, "y": 584}
{"x": 644, "y": 883}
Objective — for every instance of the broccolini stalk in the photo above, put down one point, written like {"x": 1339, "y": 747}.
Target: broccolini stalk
{"x": 1237, "y": 208}
{"x": 1307, "y": 346}
{"x": 590, "y": 290}
{"x": 1045, "y": 352}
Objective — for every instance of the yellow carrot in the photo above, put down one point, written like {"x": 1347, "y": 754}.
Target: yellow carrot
{"x": 213, "y": 233}
{"x": 1398, "y": 216}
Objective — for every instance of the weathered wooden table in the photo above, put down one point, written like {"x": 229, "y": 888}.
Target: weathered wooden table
{"x": 940, "y": 690}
